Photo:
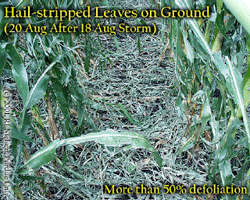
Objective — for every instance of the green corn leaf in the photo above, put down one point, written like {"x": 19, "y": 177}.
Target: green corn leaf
{"x": 108, "y": 137}
{"x": 226, "y": 170}
{"x": 246, "y": 80}
{"x": 189, "y": 49}
{"x": 37, "y": 92}
{"x": 241, "y": 11}
{"x": 63, "y": 102}
{"x": 195, "y": 28}
{"x": 242, "y": 172}
{"x": 3, "y": 61}
{"x": 246, "y": 87}
{"x": 25, "y": 124}
{"x": 3, "y": 20}
{"x": 220, "y": 24}
{"x": 221, "y": 66}
{"x": 219, "y": 5}
{"x": 37, "y": 115}
{"x": 246, "y": 91}
{"x": 19, "y": 72}
{"x": 215, "y": 130}
{"x": 188, "y": 145}
{"x": 127, "y": 114}
{"x": 39, "y": 89}
{"x": 206, "y": 114}
{"x": 19, "y": 134}
{"x": 42, "y": 157}
{"x": 236, "y": 84}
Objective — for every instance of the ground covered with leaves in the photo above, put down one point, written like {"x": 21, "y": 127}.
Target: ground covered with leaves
{"x": 137, "y": 92}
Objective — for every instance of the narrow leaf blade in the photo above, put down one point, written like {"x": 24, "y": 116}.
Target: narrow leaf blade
{"x": 19, "y": 72}
{"x": 108, "y": 137}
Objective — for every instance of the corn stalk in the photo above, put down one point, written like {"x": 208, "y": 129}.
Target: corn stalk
{"x": 211, "y": 84}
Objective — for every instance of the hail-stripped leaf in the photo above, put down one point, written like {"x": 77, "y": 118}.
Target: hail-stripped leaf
{"x": 127, "y": 114}
{"x": 225, "y": 170}
{"x": 19, "y": 72}
{"x": 113, "y": 138}
{"x": 34, "y": 178}
{"x": 183, "y": 4}
{"x": 117, "y": 44}
{"x": 236, "y": 88}
{"x": 39, "y": 89}
{"x": 189, "y": 49}
{"x": 234, "y": 85}
{"x": 108, "y": 138}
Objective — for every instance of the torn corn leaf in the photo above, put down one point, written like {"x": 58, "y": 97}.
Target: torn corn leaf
{"x": 108, "y": 138}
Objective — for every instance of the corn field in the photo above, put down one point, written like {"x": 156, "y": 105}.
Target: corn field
{"x": 107, "y": 115}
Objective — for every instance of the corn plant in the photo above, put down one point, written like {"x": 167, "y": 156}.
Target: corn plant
{"x": 211, "y": 56}
{"x": 46, "y": 71}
